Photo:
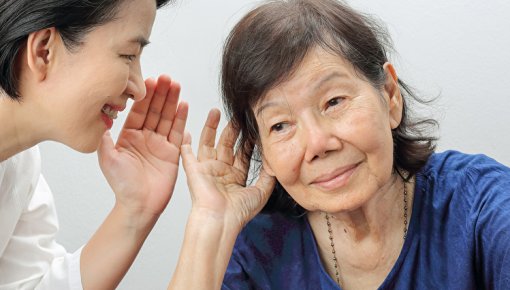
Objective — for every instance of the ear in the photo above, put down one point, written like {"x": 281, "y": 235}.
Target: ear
{"x": 392, "y": 88}
{"x": 40, "y": 51}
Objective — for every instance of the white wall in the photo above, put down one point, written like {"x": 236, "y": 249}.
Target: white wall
{"x": 455, "y": 48}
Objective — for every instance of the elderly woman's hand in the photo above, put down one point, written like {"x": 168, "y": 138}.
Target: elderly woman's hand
{"x": 217, "y": 177}
{"x": 142, "y": 167}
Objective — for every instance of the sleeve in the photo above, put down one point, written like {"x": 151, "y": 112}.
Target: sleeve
{"x": 492, "y": 226}
{"x": 33, "y": 258}
{"x": 235, "y": 276}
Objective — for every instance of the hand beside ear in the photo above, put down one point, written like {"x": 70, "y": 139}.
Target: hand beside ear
{"x": 217, "y": 177}
{"x": 142, "y": 167}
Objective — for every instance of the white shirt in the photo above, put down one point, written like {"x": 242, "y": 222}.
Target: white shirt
{"x": 30, "y": 258}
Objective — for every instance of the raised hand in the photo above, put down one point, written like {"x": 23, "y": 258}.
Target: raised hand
{"x": 142, "y": 167}
{"x": 217, "y": 177}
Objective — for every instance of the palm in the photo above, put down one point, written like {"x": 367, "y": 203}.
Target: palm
{"x": 217, "y": 178}
{"x": 142, "y": 167}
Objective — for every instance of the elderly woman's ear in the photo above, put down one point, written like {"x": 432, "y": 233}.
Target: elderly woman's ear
{"x": 395, "y": 102}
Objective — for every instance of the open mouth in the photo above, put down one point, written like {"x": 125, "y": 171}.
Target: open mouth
{"x": 110, "y": 112}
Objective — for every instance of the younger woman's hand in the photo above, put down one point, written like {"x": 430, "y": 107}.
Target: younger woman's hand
{"x": 142, "y": 167}
{"x": 217, "y": 177}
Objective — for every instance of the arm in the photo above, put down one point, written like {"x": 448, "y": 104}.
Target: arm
{"x": 491, "y": 182}
{"x": 221, "y": 205}
{"x": 142, "y": 170}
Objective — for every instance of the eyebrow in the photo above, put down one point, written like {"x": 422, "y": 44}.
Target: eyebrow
{"x": 142, "y": 41}
{"x": 327, "y": 78}
{"x": 316, "y": 87}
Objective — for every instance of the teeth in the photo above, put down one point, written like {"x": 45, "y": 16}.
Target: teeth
{"x": 112, "y": 114}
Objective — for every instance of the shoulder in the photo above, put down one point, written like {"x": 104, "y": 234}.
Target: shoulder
{"x": 268, "y": 232}
{"x": 454, "y": 161}
{"x": 275, "y": 251}
{"x": 27, "y": 161}
{"x": 472, "y": 171}
{"x": 476, "y": 185}
{"x": 20, "y": 173}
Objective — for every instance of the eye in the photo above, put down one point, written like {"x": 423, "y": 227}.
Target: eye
{"x": 278, "y": 127}
{"x": 129, "y": 57}
{"x": 334, "y": 102}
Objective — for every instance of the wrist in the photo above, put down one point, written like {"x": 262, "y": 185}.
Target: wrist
{"x": 204, "y": 217}
{"x": 207, "y": 246}
{"x": 134, "y": 218}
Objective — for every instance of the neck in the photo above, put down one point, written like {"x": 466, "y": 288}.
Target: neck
{"x": 19, "y": 128}
{"x": 368, "y": 238}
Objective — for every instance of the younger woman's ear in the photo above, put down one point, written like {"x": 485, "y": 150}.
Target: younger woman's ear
{"x": 40, "y": 51}
{"x": 392, "y": 88}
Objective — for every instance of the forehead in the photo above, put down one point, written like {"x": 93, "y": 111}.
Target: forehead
{"x": 137, "y": 12}
{"x": 133, "y": 21}
{"x": 317, "y": 67}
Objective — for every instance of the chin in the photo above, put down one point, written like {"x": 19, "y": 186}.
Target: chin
{"x": 85, "y": 146}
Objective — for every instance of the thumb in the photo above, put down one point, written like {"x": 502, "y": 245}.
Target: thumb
{"x": 186, "y": 150}
{"x": 106, "y": 147}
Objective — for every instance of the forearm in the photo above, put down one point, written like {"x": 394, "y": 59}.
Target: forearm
{"x": 111, "y": 251}
{"x": 205, "y": 253}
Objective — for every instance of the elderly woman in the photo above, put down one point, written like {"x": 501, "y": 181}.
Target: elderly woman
{"x": 67, "y": 68}
{"x": 351, "y": 192}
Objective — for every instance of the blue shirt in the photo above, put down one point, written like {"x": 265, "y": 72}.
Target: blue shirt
{"x": 458, "y": 236}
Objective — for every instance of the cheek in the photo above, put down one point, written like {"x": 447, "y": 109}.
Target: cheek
{"x": 113, "y": 82}
{"x": 373, "y": 138}
{"x": 284, "y": 161}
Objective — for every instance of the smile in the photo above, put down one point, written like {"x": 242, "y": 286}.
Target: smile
{"x": 336, "y": 179}
{"x": 110, "y": 112}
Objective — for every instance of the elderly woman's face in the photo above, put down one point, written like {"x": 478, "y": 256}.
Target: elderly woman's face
{"x": 326, "y": 134}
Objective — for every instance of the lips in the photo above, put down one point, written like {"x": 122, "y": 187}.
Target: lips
{"x": 111, "y": 110}
{"x": 109, "y": 113}
{"x": 335, "y": 179}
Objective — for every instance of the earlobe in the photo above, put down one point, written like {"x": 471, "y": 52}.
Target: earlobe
{"x": 395, "y": 97}
{"x": 40, "y": 51}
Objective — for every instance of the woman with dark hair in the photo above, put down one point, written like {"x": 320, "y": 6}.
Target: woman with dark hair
{"x": 351, "y": 192}
{"x": 67, "y": 68}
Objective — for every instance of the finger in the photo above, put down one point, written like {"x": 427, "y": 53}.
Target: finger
{"x": 168, "y": 113}
{"x": 207, "y": 141}
{"x": 136, "y": 116}
{"x": 187, "y": 138}
{"x": 177, "y": 133}
{"x": 158, "y": 100}
{"x": 225, "y": 148}
{"x": 242, "y": 158}
{"x": 265, "y": 184}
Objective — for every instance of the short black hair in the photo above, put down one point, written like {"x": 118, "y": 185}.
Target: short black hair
{"x": 72, "y": 19}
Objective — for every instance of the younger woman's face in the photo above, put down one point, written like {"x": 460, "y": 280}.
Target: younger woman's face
{"x": 90, "y": 84}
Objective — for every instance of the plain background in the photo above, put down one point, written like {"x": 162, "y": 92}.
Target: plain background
{"x": 457, "y": 50}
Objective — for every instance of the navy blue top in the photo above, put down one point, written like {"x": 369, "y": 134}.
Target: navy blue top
{"x": 458, "y": 236}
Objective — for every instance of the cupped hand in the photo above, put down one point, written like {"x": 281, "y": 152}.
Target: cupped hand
{"x": 217, "y": 177}
{"x": 142, "y": 166}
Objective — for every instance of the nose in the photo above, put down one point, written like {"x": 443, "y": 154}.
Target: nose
{"x": 321, "y": 139}
{"x": 136, "y": 86}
